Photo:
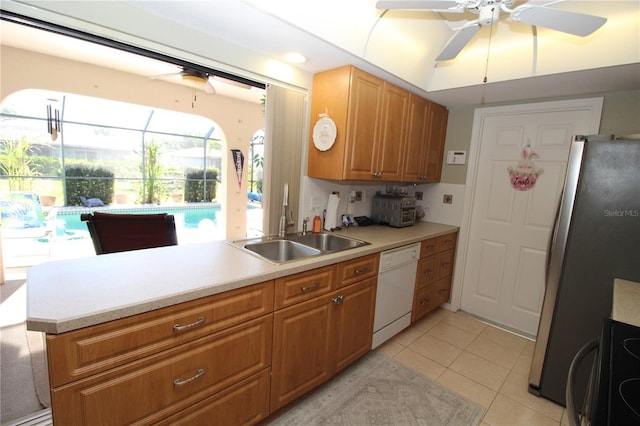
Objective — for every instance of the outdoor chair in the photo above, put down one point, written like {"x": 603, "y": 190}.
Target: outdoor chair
{"x": 113, "y": 233}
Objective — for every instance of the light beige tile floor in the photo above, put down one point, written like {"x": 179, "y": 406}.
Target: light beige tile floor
{"x": 484, "y": 363}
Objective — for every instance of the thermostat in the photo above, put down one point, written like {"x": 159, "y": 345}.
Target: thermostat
{"x": 456, "y": 157}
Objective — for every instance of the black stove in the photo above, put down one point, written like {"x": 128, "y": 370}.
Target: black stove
{"x": 618, "y": 400}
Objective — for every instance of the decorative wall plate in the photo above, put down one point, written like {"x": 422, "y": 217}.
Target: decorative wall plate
{"x": 324, "y": 134}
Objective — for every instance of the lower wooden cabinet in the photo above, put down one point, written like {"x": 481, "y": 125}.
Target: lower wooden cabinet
{"x": 146, "y": 368}
{"x": 353, "y": 322}
{"x": 228, "y": 359}
{"x": 243, "y": 404}
{"x": 301, "y": 349}
{"x": 149, "y": 390}
{"x": 315, "y": 339}
{"x": 433, "y": 277}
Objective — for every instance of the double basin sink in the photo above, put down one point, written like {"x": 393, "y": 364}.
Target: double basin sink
{"x": 297, "y": 246}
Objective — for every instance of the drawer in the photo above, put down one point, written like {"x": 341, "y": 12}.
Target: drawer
{"x": 424, "y": 301}
{"x": 245, "y": 403}
{"x": 447, "y": 242}
{"x": 355, "y": 270}
{"x": 297, "y": 288}
{"x": 88, "y": 351}
{"x": 429, "y": 247}
{"x": 149, "y": 390}
{"x": 443, "y": 290}
{"x": 427, "y": 271}
{"x": 445, "y": 264}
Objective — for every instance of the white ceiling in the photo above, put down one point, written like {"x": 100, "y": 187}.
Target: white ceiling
{"x": 401, "y": 45}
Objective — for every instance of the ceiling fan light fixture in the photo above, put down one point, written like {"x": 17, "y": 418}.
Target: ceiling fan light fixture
{"x": 195, "y": 79}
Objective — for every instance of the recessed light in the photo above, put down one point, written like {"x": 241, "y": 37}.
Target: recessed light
{"x": 294, "y": 58}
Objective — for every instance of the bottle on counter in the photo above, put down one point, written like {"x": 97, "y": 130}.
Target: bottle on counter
{"x": 317, "y": 224}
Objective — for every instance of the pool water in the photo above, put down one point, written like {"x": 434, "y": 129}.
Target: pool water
{"x": 185, "y": 217}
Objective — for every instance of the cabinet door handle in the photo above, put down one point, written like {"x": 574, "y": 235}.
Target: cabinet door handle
{"x": 424, "y": 302}
{"x": 181, "y": 382}
{"x": 178, "y": 327}
{"x": 361, "y": 271}
{"x": 338, "y": 299}
{"x": 306, "y": 288}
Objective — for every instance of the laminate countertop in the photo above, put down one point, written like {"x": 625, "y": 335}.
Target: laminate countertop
{"x": 70, "y": 294}
{"x": 626, "y": 302}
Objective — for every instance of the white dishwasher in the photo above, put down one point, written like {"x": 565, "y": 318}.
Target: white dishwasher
{"x": 394, "y": 296}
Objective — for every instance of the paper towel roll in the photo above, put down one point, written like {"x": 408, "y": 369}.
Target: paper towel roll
{"x": 332, "y": 212}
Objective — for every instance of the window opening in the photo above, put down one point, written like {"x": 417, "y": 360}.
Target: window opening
{"x": 145, "y": 159}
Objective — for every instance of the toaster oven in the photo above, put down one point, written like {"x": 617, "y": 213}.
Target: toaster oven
{"x": 394, "y": 210}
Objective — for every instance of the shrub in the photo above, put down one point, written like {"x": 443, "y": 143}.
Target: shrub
{"x": 90, "y": 182}
{"x": 194, "y": 186}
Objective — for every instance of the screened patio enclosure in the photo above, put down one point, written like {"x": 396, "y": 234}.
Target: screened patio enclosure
{"x": 149, "y": 153}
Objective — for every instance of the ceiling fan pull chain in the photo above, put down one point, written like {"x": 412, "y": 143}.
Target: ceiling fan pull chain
{"x": 486, "y": 66}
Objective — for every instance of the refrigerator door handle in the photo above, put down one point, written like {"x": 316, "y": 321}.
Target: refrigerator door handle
{"x": 551, "y": 243}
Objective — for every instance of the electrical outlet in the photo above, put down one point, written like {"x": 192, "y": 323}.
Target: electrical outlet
{"x": 447, "y": 199}
{"x": 418, "y": 195}
{"x": 358, "y": 196}
{"x": 315, "y": 205}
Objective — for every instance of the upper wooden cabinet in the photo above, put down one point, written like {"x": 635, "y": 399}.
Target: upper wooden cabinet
{"x": 379, "y": 128}
{"x": 427, "y": 126}
{"x": 437, "y": 132}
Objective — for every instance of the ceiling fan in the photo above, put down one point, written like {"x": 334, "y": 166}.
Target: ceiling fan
{"x": 489, "y": 12}
{"x": 192, "y": 78}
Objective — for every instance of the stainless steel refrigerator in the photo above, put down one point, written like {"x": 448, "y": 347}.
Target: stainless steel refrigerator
{"x": 596, "y": 238}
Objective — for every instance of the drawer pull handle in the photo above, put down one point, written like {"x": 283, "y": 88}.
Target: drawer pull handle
{"x": 338, "y": 300}
{"x": 424, "y": 302}
{"x": 180, "y": 382}
{"x": 178, "y": 327}
{"x": 306, "y": 288}
{"x": 361, "y": 271}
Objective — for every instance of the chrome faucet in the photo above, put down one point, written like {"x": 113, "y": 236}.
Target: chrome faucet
{"x": 284, "y": 222}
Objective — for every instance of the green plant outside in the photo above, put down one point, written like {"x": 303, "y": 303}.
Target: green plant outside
{"x": 194, "y": 186}
{"x": 17, "y": 164}
{"x": 151, "y": 171}
{"x": 88, "y": 182}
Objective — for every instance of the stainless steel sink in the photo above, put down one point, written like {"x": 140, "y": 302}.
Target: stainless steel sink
{"x": 296, "y": 246}
{"x": 280, "y": 251}
{"x": 328, "y": 243}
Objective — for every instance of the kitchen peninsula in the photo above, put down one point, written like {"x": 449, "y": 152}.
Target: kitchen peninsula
{"x": 184, "y": 330}
{"x": 70, "y": 294}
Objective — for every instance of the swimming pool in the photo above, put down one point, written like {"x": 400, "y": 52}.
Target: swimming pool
{"x": 186, "y": 215}
{"x": 194, "y": 222}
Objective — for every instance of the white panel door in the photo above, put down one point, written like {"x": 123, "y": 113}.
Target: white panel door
{"x": 509, "y": 228}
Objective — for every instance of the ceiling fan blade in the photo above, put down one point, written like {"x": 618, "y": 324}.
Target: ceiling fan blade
{"x": 560, "y": 20}
{"x": 458, "y": 41}
{"x": 161, "y": 76}
{"x": 208, "y": 88}
{"x": 419, "y": 4}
